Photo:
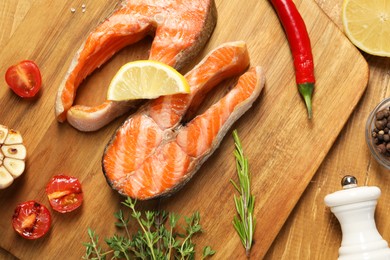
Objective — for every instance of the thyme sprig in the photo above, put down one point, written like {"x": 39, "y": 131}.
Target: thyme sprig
{"x": 157, "y": 239}
{"x": 244, "y": 223}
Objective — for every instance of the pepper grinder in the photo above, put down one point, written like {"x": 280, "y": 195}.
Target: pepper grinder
{"x": 354, "y": 208}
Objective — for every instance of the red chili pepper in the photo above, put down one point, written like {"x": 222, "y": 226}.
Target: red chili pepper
{"x": 299, "y": 42}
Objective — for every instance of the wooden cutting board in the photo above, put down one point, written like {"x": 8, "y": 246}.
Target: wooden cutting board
{"x": 284, "y": 147}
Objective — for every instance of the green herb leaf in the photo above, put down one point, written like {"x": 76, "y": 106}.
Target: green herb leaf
{"x": 244, "y": 223}
{"x": 207, "y": 251}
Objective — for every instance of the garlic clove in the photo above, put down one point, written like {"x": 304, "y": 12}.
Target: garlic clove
{"x": 5, "y": 178}
{"x": 14, "y": 137}
{"x": 3, "y": 133}
{"x": 16, "y": 151}
{"x": 1, "y": 158}
{"x": 14, "y": 166}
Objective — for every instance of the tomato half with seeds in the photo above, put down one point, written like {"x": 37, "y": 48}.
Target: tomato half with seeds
{"x": 24, "y": 78}
{"x": 31, "y": 220}
{"x": 64, "y": 193}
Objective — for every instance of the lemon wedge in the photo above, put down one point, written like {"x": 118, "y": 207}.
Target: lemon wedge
{"x": 367, "y": 25}
{"x": 146, "y": 79}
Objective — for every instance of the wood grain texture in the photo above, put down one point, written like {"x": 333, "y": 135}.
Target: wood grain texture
{"x": 284, "y": 148}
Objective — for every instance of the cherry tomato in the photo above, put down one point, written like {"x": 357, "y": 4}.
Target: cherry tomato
{"x": 31, "y": 220}
{"x": 24, "y": 78}
{"x": 64, "y": 193}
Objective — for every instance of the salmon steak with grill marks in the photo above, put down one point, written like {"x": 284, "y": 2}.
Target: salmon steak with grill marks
{"x": 180, "y": 29}
{"x": 152, "y": 154}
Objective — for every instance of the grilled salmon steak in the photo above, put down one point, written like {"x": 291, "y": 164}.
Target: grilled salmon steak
{"x": 180, "y": 29}
{"x": 152, "y": 154}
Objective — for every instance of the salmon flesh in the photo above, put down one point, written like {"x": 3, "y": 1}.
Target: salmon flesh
{"x": 180, "y": 29}
{"x": 152, "y": 154}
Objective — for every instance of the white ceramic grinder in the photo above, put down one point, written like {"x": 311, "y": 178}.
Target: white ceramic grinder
{"x": 354, "y": 207}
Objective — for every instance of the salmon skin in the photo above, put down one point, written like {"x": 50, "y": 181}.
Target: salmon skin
{"x": 180, "y": 29}
{"x": 152, "y": 154}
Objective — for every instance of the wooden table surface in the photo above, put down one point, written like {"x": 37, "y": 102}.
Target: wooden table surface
{"x": 311, "y": 231}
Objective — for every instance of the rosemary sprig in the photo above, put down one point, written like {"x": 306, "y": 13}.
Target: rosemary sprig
{"x": 157, "y": 238}
{"x": 244, "y": 223}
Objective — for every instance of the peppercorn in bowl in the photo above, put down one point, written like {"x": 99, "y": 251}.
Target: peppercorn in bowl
{"x": 378, "y": 133}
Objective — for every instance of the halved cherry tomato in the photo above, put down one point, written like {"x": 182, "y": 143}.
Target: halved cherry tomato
{"x": 31, "y": 220}
{"x": 64, "y": 193}
{"x": 24, "y": 78}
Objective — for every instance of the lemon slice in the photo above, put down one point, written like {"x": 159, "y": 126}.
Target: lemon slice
{"x": 146, "y": 79}
{"x": 367, "y": 25}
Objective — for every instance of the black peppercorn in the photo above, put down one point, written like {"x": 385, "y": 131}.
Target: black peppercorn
{"x": 380, "y": 114}
{"x": 380, "y": 124}
{"x": 381, "y": 148}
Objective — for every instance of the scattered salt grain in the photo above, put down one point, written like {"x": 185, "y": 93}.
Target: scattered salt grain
{"x": 72, "y": 10}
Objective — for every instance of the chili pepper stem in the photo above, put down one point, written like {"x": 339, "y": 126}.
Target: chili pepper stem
{"x": 306, "y": 90}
